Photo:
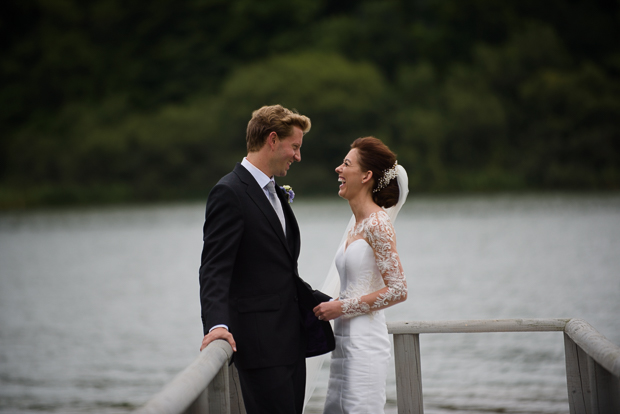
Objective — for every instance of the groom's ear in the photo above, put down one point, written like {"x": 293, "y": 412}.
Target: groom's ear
{"x": 272, "y": 138}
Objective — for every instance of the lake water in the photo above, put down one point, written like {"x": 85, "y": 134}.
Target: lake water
{"x": 99, "y": 307}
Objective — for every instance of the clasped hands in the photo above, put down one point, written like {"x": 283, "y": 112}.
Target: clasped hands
{"x": 324, "y": 311}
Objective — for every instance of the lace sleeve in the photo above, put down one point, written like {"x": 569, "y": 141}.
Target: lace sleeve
{"x": 382, "y": 239}
{"x": 380, "y": 235}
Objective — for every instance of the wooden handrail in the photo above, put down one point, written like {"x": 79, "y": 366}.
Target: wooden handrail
{"x": 592, "y": 361}
{"x": 592, "y": 368}
{"x": 477, "y": 326}
{"x": 178, "y": 395}
{"x": 601, "y": 349}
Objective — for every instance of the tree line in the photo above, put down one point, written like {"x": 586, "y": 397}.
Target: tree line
{"x": 104, "y": 100}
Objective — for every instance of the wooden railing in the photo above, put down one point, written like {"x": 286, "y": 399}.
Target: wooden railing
{"x": 207, "y": 386}
{"x": 210, "y": 386}
{"x": 592, "y": 361}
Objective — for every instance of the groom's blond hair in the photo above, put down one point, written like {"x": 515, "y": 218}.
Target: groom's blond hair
{"x": 274, "y": 118}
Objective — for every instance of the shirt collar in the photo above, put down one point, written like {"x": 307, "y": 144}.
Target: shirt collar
{"x": 260, "y": 177}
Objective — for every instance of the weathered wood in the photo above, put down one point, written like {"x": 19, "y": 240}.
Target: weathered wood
{"x": 189, "y": 385}
{"x": 596, "y": 345}
{"x": 477, "y": 326}
{"x": 408, "y": 374}
{"x": 236, "y": 399}
{"x": 593, "y": 397}
{"x": 605, "y": 388}
{"x": 592, "y": 361}
{"x": 219, "y": 400}
{"x": 586, "y": 384}
{"x": 602, "y": 367}
{"x": 591, "y": 388}
{"x": 592, "y": 369}
{"x": 576, "y": 399}
{"x": 200, "y": 404}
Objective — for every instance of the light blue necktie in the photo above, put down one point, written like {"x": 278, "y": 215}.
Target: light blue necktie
{"x": 275, "y": 202}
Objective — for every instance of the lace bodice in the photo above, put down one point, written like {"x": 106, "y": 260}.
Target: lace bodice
{"x": 371, "y": 274}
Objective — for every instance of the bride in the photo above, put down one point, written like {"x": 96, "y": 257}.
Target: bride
{"x": 371, "y": 279}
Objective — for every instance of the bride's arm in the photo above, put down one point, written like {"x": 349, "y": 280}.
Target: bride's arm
{"x": 381, "y": 237}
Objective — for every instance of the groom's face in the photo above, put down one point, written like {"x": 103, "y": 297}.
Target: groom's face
{"x": 285, "y": 152}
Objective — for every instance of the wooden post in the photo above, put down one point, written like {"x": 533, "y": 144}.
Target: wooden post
{"x": 189, "y": 391}
{"x": 605, "y": 389}
{"x": 209, "y": 385}
{"x": 236, "y": 398}
{"x": 219, "y": 401}
{"x": 408, "y": 374}
{"x": 577, "y": 378}
{"x": 214, "y": 398}
{"x": 200, "y": 404}
{"x": 595, "y": 361}
{"x": 222, "y": 396}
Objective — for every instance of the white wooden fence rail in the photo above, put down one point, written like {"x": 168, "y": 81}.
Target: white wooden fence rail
{"x": 592, "y": 361}
{"x": 210, "y": 386}
{"x": 207, "y": 386}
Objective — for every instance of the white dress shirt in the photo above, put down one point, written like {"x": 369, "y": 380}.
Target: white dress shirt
{"x": 260, "y": 177}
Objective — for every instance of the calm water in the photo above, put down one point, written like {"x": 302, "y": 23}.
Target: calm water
{"x": 99, "y": 307}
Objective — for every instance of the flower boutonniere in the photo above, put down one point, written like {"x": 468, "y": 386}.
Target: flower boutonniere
{"x": 290, "y": 194}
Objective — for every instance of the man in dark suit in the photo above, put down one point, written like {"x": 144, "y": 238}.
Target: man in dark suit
{"x": 250, "y": 290}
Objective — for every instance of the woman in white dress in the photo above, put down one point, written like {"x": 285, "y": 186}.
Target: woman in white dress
{"x": 371, "y": 279}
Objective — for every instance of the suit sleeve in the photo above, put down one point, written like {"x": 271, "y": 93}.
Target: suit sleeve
{"x": 222, "y": 233}
{"x": 320, "y": 296}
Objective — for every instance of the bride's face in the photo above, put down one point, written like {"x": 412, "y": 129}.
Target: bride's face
{"x": 352, "y": 178}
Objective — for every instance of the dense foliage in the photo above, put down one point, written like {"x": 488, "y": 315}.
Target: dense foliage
{"x": 108, "y": 100}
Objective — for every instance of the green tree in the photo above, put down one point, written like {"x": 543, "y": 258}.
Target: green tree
{"x": 344, "y": 99}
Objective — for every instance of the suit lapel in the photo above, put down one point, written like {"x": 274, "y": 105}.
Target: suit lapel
{"x": 292, "y": 229}
{"x": 258, "y": 197}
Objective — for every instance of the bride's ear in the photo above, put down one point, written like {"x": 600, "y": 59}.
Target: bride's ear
{"x": 367, "y": 177}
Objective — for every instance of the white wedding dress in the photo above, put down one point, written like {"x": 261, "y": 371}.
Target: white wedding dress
{"x": 359, "y": 364}
{"x": 365, "y": 263}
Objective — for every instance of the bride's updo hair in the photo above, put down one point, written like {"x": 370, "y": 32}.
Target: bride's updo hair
{"x": 375, "y": 156}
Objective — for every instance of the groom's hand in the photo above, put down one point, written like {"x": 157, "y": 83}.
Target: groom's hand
{"x": 326, "y": 311}
{"x": 219, "y": 333}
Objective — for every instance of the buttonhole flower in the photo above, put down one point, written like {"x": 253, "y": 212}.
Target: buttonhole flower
{"x": 290, "y": 194}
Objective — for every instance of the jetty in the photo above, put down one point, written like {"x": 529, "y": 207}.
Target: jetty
{"x": 210, "y": 385}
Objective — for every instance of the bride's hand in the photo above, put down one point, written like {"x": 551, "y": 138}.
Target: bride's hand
{"x": 326, "y": 311}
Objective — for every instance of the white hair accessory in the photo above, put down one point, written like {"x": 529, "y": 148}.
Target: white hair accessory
{"x": 388, "y": 175}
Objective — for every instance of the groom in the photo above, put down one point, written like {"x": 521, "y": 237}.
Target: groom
{"x": 250, "y": 290}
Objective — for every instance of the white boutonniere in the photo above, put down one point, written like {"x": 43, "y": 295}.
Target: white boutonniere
{"x": 290, "y": 194}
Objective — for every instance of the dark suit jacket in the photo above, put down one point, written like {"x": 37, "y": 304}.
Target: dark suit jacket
{"x": 249, "y": 279}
